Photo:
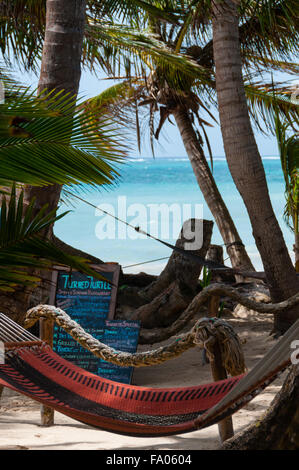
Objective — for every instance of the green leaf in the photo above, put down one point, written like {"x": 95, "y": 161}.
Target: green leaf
{"x": 43, "y": 141}
{"x": 23, "y": 246}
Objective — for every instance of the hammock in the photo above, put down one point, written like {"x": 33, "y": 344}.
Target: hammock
{"x": 33, "y": 369}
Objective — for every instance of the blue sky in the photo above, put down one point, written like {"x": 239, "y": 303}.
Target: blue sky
{"x": 170, "y": 143}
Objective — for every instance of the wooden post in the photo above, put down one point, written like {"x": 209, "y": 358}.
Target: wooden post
{"x": 1, "y": 391}
{"x": 213, "y": 307}
{"x": 225, "y": 426}
{"x": 46, "y": 334}
{"x": 215, "y": 253}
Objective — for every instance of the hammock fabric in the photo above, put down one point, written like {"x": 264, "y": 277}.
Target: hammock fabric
{"x": 34, "y": 370}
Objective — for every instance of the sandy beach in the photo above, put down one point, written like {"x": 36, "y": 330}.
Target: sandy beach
{"x": 20, "y": 417}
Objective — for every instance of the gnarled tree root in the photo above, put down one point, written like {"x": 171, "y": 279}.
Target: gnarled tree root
{"x": 278, "y": 429}
{"x": 151, "y": 337}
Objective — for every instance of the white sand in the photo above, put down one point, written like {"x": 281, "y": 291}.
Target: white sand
{"x": 20, "y": 417}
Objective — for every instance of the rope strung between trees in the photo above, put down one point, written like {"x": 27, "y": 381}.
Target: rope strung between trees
{"x": 145, "y": 262}
{"x": 187, "y": 253}
{"x": 203, "y": 334}
{"x": 200, "y": 334}
{"x": 101, "y": 350}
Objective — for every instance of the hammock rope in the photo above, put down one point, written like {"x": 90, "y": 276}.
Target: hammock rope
{"x": 187, "y": 253}
{"x": 199, "y": 334}
{"x": 204, "y": 333}
{"x": 39, "y": 373}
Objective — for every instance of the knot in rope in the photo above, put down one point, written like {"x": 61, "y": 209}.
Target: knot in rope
{"x": 208, "y": 331}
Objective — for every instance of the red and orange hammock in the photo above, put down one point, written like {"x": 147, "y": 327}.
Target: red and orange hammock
{"x": 33, "y": 369}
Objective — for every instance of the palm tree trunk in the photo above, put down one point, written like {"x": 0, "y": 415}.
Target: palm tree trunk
{"x": 278, "y": 428}
{"x": 296, "y": 232}
{"x": 60, "y": 68}
{"x": 245, "y": 162}
{"x": 235, "y": 248}
{"x": 60, "y": 71}
{"x": 296, "y": 250}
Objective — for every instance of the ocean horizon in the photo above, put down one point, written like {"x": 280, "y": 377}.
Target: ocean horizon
{"x": 146, "y": 184}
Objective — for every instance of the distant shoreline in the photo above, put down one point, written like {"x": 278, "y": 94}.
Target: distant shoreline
{"x": 146, "y": 183}
{"x": 216, "y": 158}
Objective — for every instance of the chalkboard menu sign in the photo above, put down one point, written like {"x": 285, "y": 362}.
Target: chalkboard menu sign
{"x": 88, "y": 301}
{"x": 70, "y": 350}
{"x": 91, "y": 303}
{"x": 122, "y": 335}
{"x": 85, "y": 297}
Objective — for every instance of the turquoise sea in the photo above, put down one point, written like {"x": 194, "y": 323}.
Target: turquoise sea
{"x": 145, "y": 184}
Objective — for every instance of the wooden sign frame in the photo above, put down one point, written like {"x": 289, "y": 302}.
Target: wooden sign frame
{"x": 105, "y": 267}
{"x": 47, "y": 327}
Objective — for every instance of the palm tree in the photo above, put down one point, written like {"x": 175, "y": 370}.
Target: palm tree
{"x": 96, "y": 35}
{"x": 244, "y": 160}
{"x": 60, "y": 68}
{"x": 186, "y": 94}
{"x": 187, "y": 105}
{"x": 227, "y": 228}
{"x": 120, "y": 99}
{"x": 63, "y": 26}
{"x": 30, "y": 31}
{"x": 43, "y": 140}
{"x": 268, "y": 38}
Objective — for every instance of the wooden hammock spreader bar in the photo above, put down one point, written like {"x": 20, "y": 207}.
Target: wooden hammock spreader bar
{"x": 21, "y": 344}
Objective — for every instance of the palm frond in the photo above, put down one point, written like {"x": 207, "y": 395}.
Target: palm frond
{"x": 23, "y": 246}
{"x": 136, "y": 52}
{"x": 44, "y": 141}
{"x": 120, "y": 104}
{"x": 126, "y": 10}
{"x": 255, "y": 64}
{"x": 270, "y": 28}
{"x": 289, "y": 156}
{"x": 265, "y": 101}
{"x": 22, "y": 25}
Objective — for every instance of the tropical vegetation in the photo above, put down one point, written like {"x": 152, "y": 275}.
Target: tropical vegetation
{"x": 170, "y": 43}
{"x": 189, "y": 97}
{"x": 43, "y": 141}
{"x": 245, "y": 162}
{"x": 288, "y": 146}
{"x": 174, "y": 58}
